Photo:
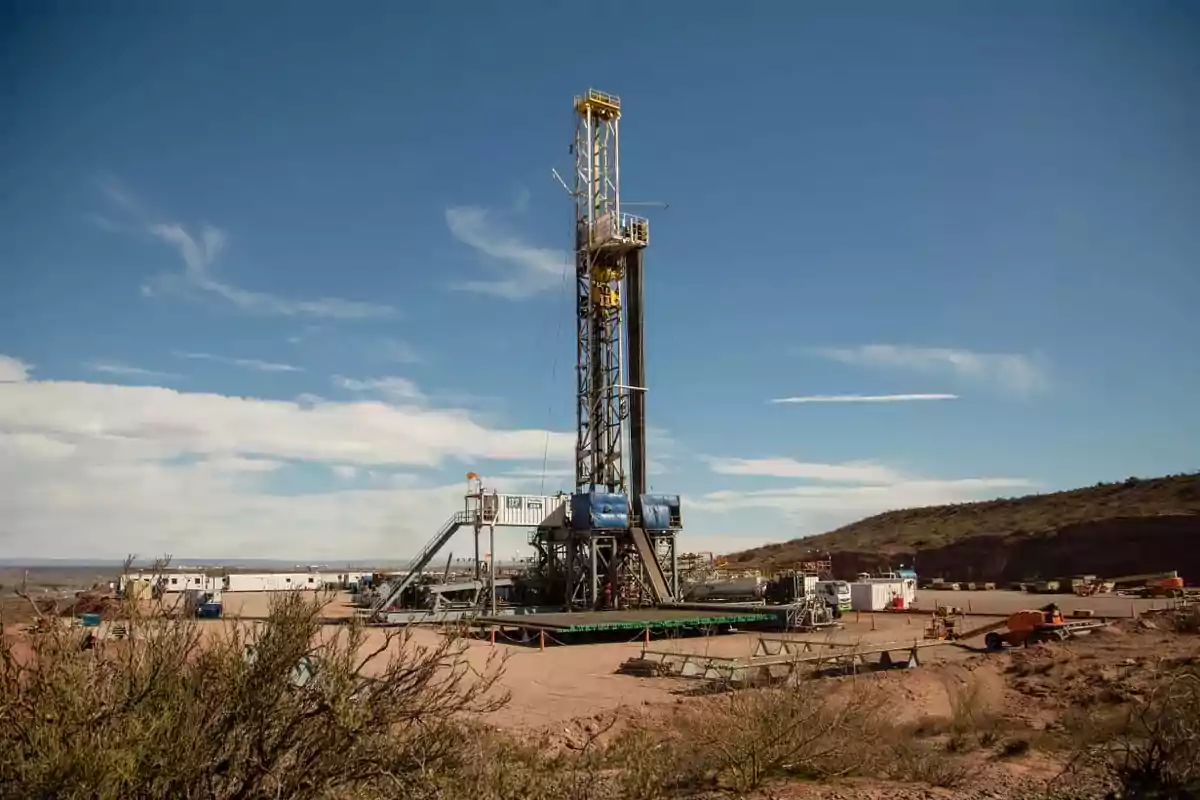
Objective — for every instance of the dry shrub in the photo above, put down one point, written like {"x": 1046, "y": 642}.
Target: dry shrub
{"x": 164, "y": 714}
{"x": 972, "y": 723}
{"x": 1152, "y": 749}
{"x": 922, "y": 762}
{"x": 1185, "y": 619}
{"x": 495, "y": 766}
{"x": 738, "y": 739}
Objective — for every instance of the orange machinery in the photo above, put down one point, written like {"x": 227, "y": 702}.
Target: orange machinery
{"x": 1027, "y": 627}
{"x": 1169, "y": 586}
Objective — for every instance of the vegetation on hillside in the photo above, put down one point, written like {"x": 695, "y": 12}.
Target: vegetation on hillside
{"x": 915, "y": 529}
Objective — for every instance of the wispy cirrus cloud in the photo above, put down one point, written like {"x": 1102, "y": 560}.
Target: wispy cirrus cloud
{"x": 199, "y": 248}
{"x": 862, "y": 398}
{"x": 524, "y": 269}
{"x": 1013, "y": 372}
{"x": 830, "y": 494}
{"x": 851, "y": 472}
{"x": 246, "y": 363}
{"x": 128, "y": 370}
{"x": 391, "y": 388}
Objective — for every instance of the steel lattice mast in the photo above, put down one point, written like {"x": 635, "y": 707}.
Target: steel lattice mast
{"x": 604, "y": 237}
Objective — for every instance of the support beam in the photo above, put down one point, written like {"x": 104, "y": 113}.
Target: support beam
{"x": 635, "y": 318}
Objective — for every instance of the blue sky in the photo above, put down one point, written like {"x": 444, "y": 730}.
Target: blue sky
{"x": 275, "y": 276}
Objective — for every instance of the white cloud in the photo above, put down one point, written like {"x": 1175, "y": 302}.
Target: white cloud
{"x": 1014, "y": 372}
{"x": 853, "y": 472}
{"x": 345, "y": 471}
{"x": 392, "y": 388}
{"x": 248, "y": 363}
{"x": 863, "y": 398}
{"x": 184, "y": 423}
{"x": 860, "y": 501}
{"x": 832, "y": 495}
{"x": 13, "y": 370}
{"x": 199, "y": 253}
{"x": 89, "y": 469}
{"x": 527, "y": 269}
{"x": 127, "y": 370}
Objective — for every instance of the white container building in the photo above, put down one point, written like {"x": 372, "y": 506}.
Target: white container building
{"x": 272, "y": 581}
{"x": 174, "y": 581}
{"x": 875, "y": 595}
{"x": 520, "y": 510}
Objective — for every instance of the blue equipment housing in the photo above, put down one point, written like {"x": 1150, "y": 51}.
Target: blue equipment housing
{"x": 593, "y": 511}
{"x": 660, "y": 512}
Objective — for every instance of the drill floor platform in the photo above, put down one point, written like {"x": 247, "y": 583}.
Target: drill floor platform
{"x": 627, "y": 620}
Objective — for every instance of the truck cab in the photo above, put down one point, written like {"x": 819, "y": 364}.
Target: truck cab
{"x": 836, "y": 594}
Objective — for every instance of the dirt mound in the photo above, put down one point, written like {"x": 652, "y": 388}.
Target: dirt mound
{"x": 1110, "y": 529}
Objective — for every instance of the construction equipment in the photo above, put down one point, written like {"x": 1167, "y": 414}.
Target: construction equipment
{"x": 1030, "y": 626}
{"x": 943, "y": 623}
{"x": 1170, "y": 585}
{"x": 1148, "y": 584}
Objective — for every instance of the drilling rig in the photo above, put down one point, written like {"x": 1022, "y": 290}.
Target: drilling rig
{"x": 609, "y": 544}
{"x": 618, "y": 547}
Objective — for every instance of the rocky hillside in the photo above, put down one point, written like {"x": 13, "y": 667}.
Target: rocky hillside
{"x": 1139, "y": 525}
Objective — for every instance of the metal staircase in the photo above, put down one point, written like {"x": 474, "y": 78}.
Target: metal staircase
{"x": 421, "y": 561}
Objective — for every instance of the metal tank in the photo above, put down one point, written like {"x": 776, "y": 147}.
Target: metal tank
{"x": 732, "y": 589}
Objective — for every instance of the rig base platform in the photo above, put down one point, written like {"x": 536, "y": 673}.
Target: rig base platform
{"x": 627, "y": 621}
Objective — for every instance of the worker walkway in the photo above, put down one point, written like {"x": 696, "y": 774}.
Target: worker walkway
{"x": 653, "y": 619}
{"x": 422, "y": 559}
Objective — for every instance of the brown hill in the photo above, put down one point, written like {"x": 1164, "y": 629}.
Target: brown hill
{"x": 1138, "y": 525}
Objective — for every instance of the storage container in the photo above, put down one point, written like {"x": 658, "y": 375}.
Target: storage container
{"x": 875, "y": 595}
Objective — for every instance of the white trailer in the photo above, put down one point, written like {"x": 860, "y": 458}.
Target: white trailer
{"x": 875, "y": 595}
{"x": 174, "y": 581}
{"x": 272, "y": 581}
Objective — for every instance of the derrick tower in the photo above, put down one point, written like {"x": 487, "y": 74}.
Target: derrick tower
{"x": 619, "y": 546}
{"x": 606, "y": 241}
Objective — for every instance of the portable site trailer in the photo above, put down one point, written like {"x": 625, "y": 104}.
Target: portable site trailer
{"x": 272, "y": 581}
{"x": 172, "y": 581}
{"x": 875, "y": 595}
